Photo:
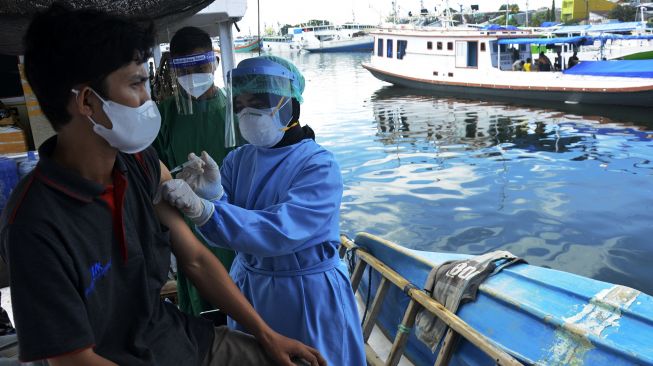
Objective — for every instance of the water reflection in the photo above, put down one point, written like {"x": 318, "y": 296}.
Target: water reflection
{"x": 558, "y": 188}
{"x": 565, "y": 186}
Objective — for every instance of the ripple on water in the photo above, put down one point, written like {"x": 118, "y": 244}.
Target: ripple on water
{"x": 562, "y": 188}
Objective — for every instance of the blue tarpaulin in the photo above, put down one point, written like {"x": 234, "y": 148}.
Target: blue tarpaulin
{"x": 499, "y": 27}
{"x": 574, "y": 40}
{"x": 622, "y": 68}
{"x": 548, "y": 24}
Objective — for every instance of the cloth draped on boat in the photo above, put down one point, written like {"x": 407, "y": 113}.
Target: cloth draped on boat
{"x": 16, "y": 15}
{"x": 619, "y": 68}
{"x": 453, "y": 283}
{"x": 280, "y": 213}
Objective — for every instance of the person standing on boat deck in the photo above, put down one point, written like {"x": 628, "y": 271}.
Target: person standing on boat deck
{"x": 87, "y": 254}
{"x": 558, "y": 62}
{"x": 573, "y": 60}
{"x": 528, "y": 64}
{"x": 279, "y": 212}
{"x": 193, "y": 120}
{"x": 543, "y": 63}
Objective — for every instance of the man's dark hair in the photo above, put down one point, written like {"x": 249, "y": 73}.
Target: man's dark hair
{"x": 65, "y": 47}
{"x": 188, "y": 39}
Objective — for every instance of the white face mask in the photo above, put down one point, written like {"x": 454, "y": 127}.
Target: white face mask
{"x": 134, "y": 129}
{"x": 261, "y": 127}
{"x": 196, "y": 84}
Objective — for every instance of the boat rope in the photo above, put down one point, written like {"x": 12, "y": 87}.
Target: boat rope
{"x": 350, "y": 255}
{"x": 409, "y": 286}
{"x": 369, "y": 291}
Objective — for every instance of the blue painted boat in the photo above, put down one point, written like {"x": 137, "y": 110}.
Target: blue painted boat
{"x": 536, "y": 315}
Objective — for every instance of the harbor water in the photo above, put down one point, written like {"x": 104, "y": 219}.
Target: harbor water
{"x": 566, "y": 186}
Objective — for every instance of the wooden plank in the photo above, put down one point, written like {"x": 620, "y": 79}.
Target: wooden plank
{"x": 402, "y": 334}
{"x": 341, "y": 251}
{"x": 448, "y": 348}
{"x": 452, "y": 320}
{"x": 375, "y": 309}
{"x": 372, "y": 358}
{"x": 357, "y": 275}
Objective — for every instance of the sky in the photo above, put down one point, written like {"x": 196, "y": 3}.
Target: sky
{"x": 292, "y": 12}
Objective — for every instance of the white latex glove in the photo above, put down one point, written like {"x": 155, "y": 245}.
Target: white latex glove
{"x": 203, "y": 176}
{"x": 179, "y": 194}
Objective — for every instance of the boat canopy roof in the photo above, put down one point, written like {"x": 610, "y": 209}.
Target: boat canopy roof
{"x": 599, "y": 28}
{"x": 622, "y": 68}
{"x": 558, "y": 40}
{"x": 578, "y": 40}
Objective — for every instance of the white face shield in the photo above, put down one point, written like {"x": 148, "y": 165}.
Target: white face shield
{"x": 193, "y": 76}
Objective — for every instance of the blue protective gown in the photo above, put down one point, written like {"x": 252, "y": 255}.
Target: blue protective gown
{"x": 280, "y": 213}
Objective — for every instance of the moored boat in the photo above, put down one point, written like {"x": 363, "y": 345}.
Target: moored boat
{"x": 246, "y": 44}
{"x": 362, "y": 43}
{"x": 611, "y": 41}
{"x": 471, "y": 61}
{"x": 279, "y": 44}
{"x": 522, "y": 314}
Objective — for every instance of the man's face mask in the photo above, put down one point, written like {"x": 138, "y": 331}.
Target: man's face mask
{"x": 196, "y": 84}
{"x": 134, "y": 129}
{"x": 262, "y": 127}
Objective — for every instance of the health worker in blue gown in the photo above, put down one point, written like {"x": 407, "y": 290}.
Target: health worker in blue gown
{"x": 276, "y": 202}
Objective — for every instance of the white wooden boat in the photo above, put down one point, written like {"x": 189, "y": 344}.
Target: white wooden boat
{"x": 475, "y": 62}
{"x": 279, "y": 44}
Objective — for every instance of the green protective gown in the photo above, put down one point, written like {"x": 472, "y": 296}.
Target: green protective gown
{"x": 179, "y": 136}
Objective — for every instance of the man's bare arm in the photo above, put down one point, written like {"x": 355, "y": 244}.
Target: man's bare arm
{"x": 82, "y": 358}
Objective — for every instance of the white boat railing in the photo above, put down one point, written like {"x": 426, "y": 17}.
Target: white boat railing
{"x": 418, "y": 300}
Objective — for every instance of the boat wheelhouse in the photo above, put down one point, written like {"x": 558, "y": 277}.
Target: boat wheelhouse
{"x": 471, "y": 61}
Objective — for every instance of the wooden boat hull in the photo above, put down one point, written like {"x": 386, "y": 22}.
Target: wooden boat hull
{"x": 539, "y": 316}
{"x": 249, "y": 47}
{"x": 640, "y": 98}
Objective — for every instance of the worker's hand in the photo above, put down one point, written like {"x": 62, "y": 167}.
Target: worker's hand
{"x": 203, "y": 176}
{"x": 179, "y": 194}
{"x": 289, "y": 352}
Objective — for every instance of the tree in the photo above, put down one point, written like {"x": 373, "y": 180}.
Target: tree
{"x": 513, "y": 8}
{"x": 552, "y": 17}
{"x": 623, "y": 13}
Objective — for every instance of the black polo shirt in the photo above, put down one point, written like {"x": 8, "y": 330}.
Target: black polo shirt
{"x": 87, "y": 263}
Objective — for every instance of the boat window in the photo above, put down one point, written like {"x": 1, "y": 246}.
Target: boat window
{"x": 401, "y": 49}
{"x": 379, "y": 47}
{"x": 389, "y": 48}
{"x": 439, "y": 45}
{"x": 429, "y": 45}
{"x": 482, "y": 46}
{"x": 472, "y": 54}
{"x": 435, "y": 73}
{"x": 450, "y": 46}
{"x": 466, "y": 54}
